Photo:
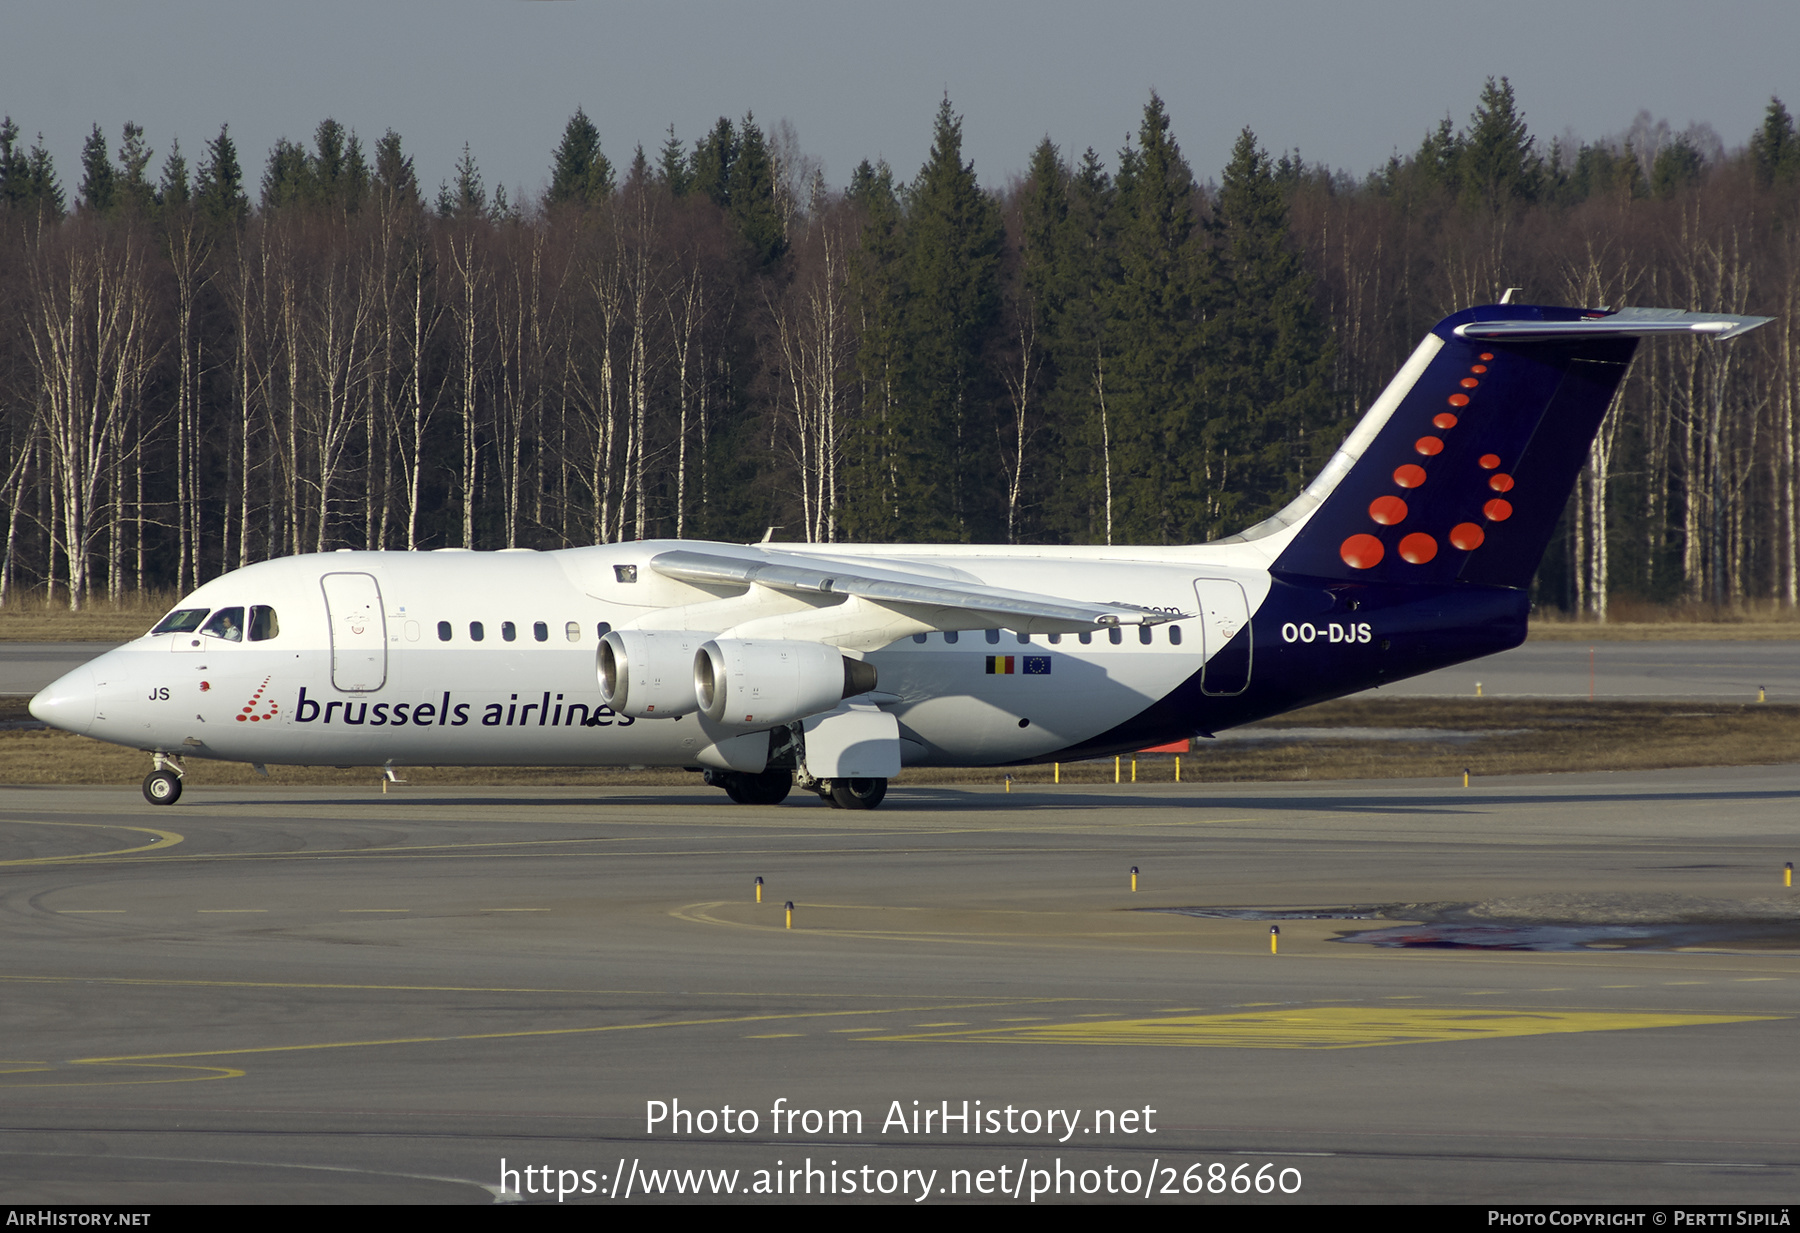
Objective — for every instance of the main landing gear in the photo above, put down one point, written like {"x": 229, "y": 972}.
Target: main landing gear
{"x": 768, "y": 788}
{"x": 772, "y": 787}
{"x": 853, "y": 793}
{"x": 162, "y": 786}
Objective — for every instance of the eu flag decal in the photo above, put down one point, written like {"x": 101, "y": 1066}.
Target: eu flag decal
{"x": 1037, "y": 665}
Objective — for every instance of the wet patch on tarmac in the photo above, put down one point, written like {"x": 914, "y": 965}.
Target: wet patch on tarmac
{"x": 1555, "y": 923}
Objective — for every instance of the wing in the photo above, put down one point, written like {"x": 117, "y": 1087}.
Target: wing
{"x": 936, "y": 603}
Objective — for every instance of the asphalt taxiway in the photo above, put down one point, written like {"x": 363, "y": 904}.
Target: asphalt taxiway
{"x": 282, "y": 995}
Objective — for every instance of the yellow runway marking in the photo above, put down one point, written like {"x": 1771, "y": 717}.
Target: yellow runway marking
{"x": 89, "y": 911}
{"x": 163, "y": 841}
{"x": 1328, "y": 1027}
{"x": 228, "y": 911}
{"x": 374, "y": 909}
{"x": 175, "y": 1061}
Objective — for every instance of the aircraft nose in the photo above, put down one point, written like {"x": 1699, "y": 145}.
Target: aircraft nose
{"x": 68, "y": 702}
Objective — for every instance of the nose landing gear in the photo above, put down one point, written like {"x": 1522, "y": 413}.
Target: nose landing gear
{"x": 162, "y": 786}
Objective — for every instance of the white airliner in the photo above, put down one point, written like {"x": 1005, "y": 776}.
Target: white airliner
{"x": 834, "y": 665}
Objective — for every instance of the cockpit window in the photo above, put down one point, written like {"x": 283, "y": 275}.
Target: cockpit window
{"x": 181, "y": 621}
{"x": 227, "y": 623}
{"x": 263, "y": 625}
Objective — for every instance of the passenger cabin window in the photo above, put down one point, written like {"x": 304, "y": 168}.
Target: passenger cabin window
{"x": 1145, "y": 633}
{"x": 993, "y": 635}
{"x": 476, "y": 633}
{"x": 624, "y": 573}
{"x": 263, "y": 625}
{"x": 1055, "y": 639}
{"x": 1024, "y": 639}
{"x": 541, "y": 632}
{"x": 603, "y": 628}
{"x": 1086, "y": 637}
{"x": 227, "y": 623}
{"x": 1115, "y": 635}
{"x": 181, "y": 621}
{"x": 918, "y": 637}
{"x": 950, "y": 635}
{"x": 509, "y": 631}
{"x": 1174, "y": 635}
{"x": 573, "y": 630}
{"x": 443, "y": 631}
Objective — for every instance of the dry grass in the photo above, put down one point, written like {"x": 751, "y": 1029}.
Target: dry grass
{"x": 1631, "y": 620}
{"x": 1495, "y": 737}
{"x": 33, "y": 618}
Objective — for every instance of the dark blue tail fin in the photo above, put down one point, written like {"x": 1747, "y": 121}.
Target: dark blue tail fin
{"x": 1460, "y": 470}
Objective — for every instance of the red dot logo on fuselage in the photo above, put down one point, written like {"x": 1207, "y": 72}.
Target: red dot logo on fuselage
{"x": 257, "y": 710}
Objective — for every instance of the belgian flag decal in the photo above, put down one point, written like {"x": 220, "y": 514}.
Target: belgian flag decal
{"x": 1009, "y": 665}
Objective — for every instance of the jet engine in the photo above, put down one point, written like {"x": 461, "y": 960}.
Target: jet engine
{"x": 648, "y": 674}
{"x": 774, "y": 681}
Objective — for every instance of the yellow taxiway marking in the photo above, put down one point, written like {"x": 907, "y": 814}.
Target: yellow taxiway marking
{"x": 163, "y": 841}
{"x": 847, "y": 1031}
{"x": 775, "y": 1036}
{"x": 374, "y": 909}
{"x": 512, "y": 909}
{"x": 228, "y": 911}
{"x": 962, "y": 1023}
{"x": 1325, "y": 1027}
{"x": 89, "y": 911}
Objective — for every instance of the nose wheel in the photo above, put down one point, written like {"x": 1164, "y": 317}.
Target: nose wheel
{"x": 162, "y": 787}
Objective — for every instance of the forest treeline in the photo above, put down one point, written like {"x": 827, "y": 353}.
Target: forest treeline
{"x": 199, "y": 370}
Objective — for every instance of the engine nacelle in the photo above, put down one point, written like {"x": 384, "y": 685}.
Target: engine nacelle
{"x": 648, "y": 673}
{"x": 774, "y": 681}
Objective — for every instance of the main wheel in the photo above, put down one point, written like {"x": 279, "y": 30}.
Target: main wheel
{"x": 162, "y": 787}
{"x": 857, "y": 793}
{"x": 768, "y": 788}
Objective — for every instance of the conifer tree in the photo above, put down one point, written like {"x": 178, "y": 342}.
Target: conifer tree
{"x": 43, "y": 192}
{"x": 468, "y": 198}
{"x": 1163, "y": 483}
{"x": 1497, "y": 162}
{"x": 288, "y": 179}
{"x": 1677, "y": 165}
{"x": 751, "y": 196}
{"x": 580, "y": 174}
{"x": 672, "y": 167}
{"x": 1085, "y": 269}
{"x": 132, "y": 187}
{"x": 713, "y": 156}
{"x": 219, "y": 186}
{"x": 1269, "y": 361}
{"x": 945, "y": 487}
{"x": 394, "y": 177}
{"x": 1774, "y": 148}
{"x": 172, "y": 192}
{"x": 96, "y": 174}
{"x": 13, "y": 165}
{"x": 878, "y": 291}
